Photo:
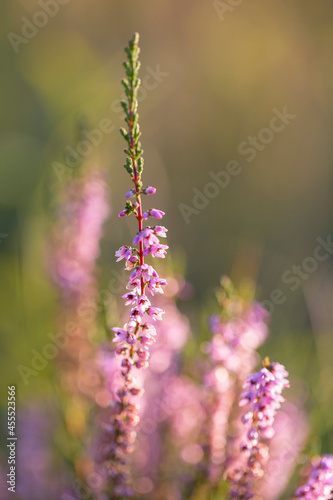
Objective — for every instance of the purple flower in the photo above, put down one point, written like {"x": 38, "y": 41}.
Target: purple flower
{"x": 158, "y": 251}
{"x": 155, "y": 313}
{"x": 149, "y": 190}
{"x": 130, "y": 193}
{"x": 320, "y": 482}
{"x": 136, "y": 335}
{"x": 75, "y": 243}
{"x": 160, "y": 231}
{"x": 262, "y": 396}
{"x": 121, "y": 334}
{"x": 235, "y": 335}
{"x": 262, "y": 392}
{"x": 158, "y": 214}
{"x": 124, "y": 252}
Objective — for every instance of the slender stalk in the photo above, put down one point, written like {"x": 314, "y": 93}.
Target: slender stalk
{"x": 136, "y": 336}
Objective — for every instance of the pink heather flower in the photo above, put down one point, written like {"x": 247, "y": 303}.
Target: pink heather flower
{"x": 121, "y": 253}
{"x": 75, "y": 244}
{"x": 130, "y": 297}
{"x": 143, "y": 304}
{"x": 131, "y": 262}
{"x": 232, "y": 352}
{"x": 155, "y": 285}
{"x": 134, "y": 285}
{"x": 235, "y": 341}
{"x": 130, "y": 193}
{"x": 148, "y": 334}
{"x": 136, "y": 335}
{"x": 124, "y": 252}
{"x": 158, "y": 251}
{"x": 262, "y": 395}
{"x": 121, "y": 334}
{"x": 158, "y": 214}
{"x": 320, "y": 482}
{"x": 155, "y": 313}
{"x": 147, "y": 236}
{"x": 160, "y": 231}
{"x": 145, "y": 233}
{"x": 163, "y": 367}
{"x": 149, "y": 190}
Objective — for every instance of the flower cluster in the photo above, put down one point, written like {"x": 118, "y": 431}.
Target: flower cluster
{"x": 74, "y": 248}
{"x": 158, "y": 405}
{"x": 262, "y": 396}
{"x": 235, "y": 340}
{"x": 237, "y": 332}
{"x": 136, "y": 336}
{"x": 195, "y": 440}
{"x": 320, "y": 482}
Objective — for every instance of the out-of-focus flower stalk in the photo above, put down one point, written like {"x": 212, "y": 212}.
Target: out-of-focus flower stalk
{"x": 320, "y": 480}
{"x": 237, "y": 333}
{"x": 72, "y": 254}
{"x": 74, "y": 249}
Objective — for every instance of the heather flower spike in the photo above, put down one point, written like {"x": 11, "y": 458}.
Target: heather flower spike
{"x": 320, "y": 481}
{"x": 136, "y": 336}
{"x": 262, "y": 397}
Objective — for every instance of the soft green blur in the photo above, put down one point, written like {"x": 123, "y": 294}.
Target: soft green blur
{"x": 216, "y": 83}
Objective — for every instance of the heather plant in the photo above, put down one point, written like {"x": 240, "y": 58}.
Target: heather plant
{"x": 73, "y": 249}
{"x": 157, "y": 414}
{"x": 320, "y": 480}
{"x": 262, "y": 397}
{"x": 208, "y": 447}
{"x": 239, "y": 329}
{"x": 138, "y": 333}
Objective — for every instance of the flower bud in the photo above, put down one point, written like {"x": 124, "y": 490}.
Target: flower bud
{"x": 130, "y": 193}
{"x": 149, "y": 190}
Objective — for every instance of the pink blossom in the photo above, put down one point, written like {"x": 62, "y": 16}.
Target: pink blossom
{"x": 124, "y": 252}
{"x": 130, "y": 297}
{"x": 149, "y": 190}
{"x": 130, "y": 193}
{"x": 320, "y": 483}
{"x": 161, "y": 231}
{"x": 158, "y": 214}
{"x": 155, "y": 285}
{"x": 121, "y": 334}
{"x": 155, "y": 313}
{"x": 158, "y": 251}
{"x": 262, "y": 396}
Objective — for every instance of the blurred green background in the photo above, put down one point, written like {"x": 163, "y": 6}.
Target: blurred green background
{"x": 210, "y": 80}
